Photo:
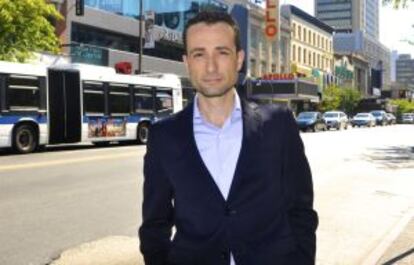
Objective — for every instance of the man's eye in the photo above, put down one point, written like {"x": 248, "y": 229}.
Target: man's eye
{"x": 224, "y": 53}
{"x": 197, "y": 55}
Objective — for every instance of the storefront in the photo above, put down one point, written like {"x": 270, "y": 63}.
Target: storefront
{"x": 108, "y": 32}
{"x": 286, "y": 89}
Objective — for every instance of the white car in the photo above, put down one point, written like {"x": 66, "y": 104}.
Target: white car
{"x": 407, "y": 118}
{"x": 363, "y": 119}
{"x": 335, "y": 119}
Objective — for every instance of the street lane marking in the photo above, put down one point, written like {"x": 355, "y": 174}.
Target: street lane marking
{"x": 66, "y": 161}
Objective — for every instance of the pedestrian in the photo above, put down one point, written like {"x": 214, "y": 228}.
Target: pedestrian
{"x": 230, "y": 176}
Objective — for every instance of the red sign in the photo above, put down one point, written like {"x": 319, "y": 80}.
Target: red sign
{"x": 123, "y": 68}
{"x": 271, "y": 19}
{"x": 276, "y": 76}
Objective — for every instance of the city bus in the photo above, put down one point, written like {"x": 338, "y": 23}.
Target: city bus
{"x": 73, "y": 103}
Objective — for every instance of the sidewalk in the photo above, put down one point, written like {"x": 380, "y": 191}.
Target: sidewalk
{"x": 401, "y": 251}
{"x": 122, "y": 250}
{"x": 114, "y": 250}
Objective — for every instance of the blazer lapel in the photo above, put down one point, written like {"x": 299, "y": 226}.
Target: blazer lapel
{"x": 251, "y": 134}
{"x": 187, "y": 141}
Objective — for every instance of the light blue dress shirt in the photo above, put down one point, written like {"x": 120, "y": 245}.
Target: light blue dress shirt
{"x": 220, "y": 147}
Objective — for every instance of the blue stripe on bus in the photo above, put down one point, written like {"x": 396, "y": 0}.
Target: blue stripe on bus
{"x": 12, "y": 119}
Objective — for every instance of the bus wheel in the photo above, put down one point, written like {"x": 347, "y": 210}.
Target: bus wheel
{"x": 25, "y": 139}
{"x": 142, "y": 133}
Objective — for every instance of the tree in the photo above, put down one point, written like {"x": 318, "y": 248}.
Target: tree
{"x": 25, "y": 28}
{"x": 403, "y": 106}
{"x": 397, "y": 3}
{"x": 350, "y": 97}
{"x": 331, "y": 98}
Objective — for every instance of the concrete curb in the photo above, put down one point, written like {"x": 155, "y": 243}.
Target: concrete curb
{"x": 113, "y": 250}
{"x": 375, "y": 256}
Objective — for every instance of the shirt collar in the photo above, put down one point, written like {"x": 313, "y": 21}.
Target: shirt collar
{"x": 234, "y": 114}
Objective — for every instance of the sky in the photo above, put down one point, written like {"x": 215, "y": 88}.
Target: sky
{"x": 395, "y": 25}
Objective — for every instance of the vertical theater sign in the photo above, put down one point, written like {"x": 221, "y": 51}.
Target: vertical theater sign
{"x": 271, "y": 19}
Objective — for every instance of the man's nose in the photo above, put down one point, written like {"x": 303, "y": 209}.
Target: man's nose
{"x": 212, "y": 64}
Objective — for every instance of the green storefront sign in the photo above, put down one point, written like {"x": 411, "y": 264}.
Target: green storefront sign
{"x": 89, "y": 55}
{"x": 344, "y": 73}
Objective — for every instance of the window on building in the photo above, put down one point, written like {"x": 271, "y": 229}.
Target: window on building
{"x": 294, "y": 52}
{"x": 314, "y": 60}
{"x": 314, "y": 39}
{"x": 263, "y": 67}
{"x": 310, "y": 58}
{"x": 319, "y": 41}
{"x": 294, "y": 30}
{"x": 254, "y": 34}
{"x": 253, "y": 67}
{"x": 304, "y": 56}
{"x": 299, "y": 55}
{"x": 323, "y": 42}
{"x": 304, "y": 35}
{"x": 299, "y": 32}
{"x": 319, "y": 61}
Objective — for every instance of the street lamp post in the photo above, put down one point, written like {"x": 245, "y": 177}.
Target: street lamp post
{"x": 140, "y": 37}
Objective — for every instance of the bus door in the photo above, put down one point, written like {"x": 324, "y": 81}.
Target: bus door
{"x": 65, "y": 123}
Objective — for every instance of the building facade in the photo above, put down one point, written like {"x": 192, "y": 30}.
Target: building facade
{"x": 109, "y": 31}
{"x": 311, "y": 47}
{"x": 267, "y": 56}
{"x": 350, "y": 15}
{"x": 367, "y": 49}
{"x": 405, "y": 71}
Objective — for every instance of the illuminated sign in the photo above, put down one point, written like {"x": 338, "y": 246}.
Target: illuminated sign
{"x": 271, "y": 19}
{"x": 277, "y": 76}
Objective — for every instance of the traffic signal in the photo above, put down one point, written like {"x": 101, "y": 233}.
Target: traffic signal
{"x": 80, "y": 7}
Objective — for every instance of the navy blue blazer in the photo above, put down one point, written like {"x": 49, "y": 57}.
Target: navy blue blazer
{"x": 268, "y": 217}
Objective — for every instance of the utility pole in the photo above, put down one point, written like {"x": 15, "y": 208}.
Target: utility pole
{"x": 140, "y": 37}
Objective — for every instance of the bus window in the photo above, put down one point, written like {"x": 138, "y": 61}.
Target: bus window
{"x": 119, "y": 102}
{"x": 164, "y": 101}
{"x": 93, "y": 98}
{"x": 23, "y": 92}
{"x": 144, "y": 102}
{"x": 188, "y": 95}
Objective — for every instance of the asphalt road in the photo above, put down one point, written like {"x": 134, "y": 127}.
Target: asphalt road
{"x": 58, "y": 199}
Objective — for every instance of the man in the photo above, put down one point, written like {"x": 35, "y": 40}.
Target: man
{"x": 231, "y": 177}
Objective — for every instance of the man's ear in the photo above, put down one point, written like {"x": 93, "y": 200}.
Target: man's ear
{"x": 240, "y": 59}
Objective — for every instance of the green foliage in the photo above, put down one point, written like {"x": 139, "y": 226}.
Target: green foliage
{"x": 25, "y": 28}
{"x": 331, "y": 98}
{"x": 335, "y": 98}
{"x": 403, "y": 106}
{"x": 350, "y": 98}
{"x": 397, "y": 3}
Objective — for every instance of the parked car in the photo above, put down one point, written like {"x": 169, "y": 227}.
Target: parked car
{"x": 310, "y": 120}
{"x": 363, "y": 119}
{"x": 407, "y": 118}
{"x": 391, "y": 118}
{"x": 335, "y": 119}
{"x": 380, "y": 117}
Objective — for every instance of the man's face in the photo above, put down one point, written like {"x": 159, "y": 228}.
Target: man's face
{"x": 212, "y": 60}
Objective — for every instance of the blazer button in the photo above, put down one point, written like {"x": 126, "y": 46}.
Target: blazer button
{"x": 230, "y": 211}
{"x": 224, "y": 254}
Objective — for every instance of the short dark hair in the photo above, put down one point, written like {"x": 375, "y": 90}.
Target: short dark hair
{"x": 213, "y": 17}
